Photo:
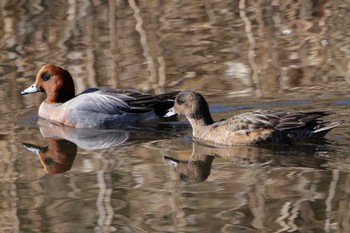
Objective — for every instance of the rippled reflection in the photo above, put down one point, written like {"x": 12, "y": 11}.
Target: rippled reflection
{"x": 63, "y": 143}
{"x": 240, "y": 54}
{"x": 57, "y": 157}
{"x": 197, "y": 167}
{"x": 282, "y": 188}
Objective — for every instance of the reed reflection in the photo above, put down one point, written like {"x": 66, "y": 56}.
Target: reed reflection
{"x": 198, "y": 167}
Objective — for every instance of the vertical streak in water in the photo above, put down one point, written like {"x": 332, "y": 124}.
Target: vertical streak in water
{"x": 144, "y": 43}
{"x": 257, "y": 205}
{"x": 103, "y": 202}
{"x": 67, "y": 33}
{"x": 161, "y": 74}
{"x": 99, "y": 202}
{"x": 13, "y": 194}
{"x": 284, "y": 215}
{"x": 331, "y": 193}
{"x": 163, "y": 23}
{"x": 179, "y": 216}
{"x": 260, "y": 18}
{"x": 212, "y": 18}
{"x": 251, "y": 52}
{"x": 90, "y": 55}
{"x": 113, "y": 43}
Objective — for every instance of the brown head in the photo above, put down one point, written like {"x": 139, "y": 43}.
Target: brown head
{"x": 193, "y": 105}
{"x": 57, "y": 157}
{"x": 57, "y": 83}
{"x": 192, "y": 171}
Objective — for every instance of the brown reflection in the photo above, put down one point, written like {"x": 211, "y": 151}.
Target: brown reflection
{"x": 197, "y": 167}
{"x": 57, "y": 157}
{"x": 63, "y": 143}
{"x": 288, "y": 49}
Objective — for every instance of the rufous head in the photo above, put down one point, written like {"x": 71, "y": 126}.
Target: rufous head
{"x": 57, "y": 83}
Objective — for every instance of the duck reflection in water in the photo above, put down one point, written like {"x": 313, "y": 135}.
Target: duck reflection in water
{"x": 197, "y": 168}
{"x": 63, "y": 143}
{"x": 57, "y": 157}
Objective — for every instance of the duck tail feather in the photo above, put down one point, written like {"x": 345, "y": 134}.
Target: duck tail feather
{"x": 324, "y": 127}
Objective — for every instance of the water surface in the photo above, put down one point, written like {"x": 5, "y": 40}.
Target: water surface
{"x": 242, "y": 55}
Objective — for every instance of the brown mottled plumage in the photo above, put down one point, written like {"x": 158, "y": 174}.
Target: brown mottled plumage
{"x": 262, "y": 126}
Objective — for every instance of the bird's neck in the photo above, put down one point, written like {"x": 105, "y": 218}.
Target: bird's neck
{"x": 198, "y": 122}
{"x": 59, "y": 96}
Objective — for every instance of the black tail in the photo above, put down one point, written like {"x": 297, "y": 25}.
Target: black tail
{"x": 324, "y": 127}
{"x": 303, "y": 125}
{"x": 162, "y": 108}
{"x": 166, "y": 102}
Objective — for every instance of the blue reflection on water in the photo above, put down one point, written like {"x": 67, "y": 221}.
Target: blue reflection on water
{"x": 344, "y": 102}
{"x": 222, "y": 108}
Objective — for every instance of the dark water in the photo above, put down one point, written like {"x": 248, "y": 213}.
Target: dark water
{"x": 241, "y": 55}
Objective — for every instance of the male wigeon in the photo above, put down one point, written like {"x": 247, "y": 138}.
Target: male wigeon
{"x": 261, "y": 126}
{"x": 94, "y": 107}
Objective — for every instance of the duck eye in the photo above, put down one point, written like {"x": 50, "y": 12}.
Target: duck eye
{"x": 46, "y": 77}
{"x": 180, "y": 101}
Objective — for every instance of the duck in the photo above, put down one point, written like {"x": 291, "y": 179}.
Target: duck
{"x": 251, "y": 128}
{"x": 97, "y": 107}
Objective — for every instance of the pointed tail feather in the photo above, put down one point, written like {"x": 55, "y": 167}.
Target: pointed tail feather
{"x": 324, "y": 127}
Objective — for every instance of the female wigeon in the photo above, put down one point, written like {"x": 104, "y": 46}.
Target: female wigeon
{"x": 262, "y": 126}
{"x": 95, "y": 107}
